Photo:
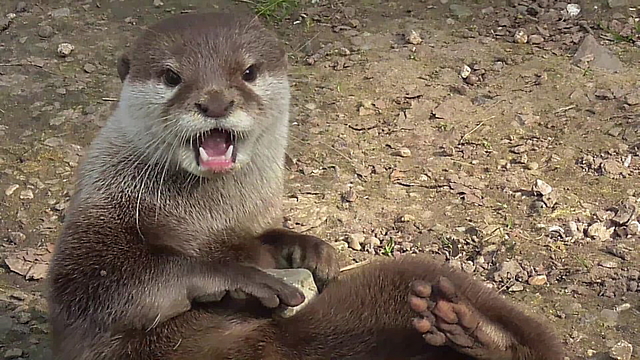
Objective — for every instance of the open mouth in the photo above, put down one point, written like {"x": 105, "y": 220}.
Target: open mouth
{"x": 215, "y": 150}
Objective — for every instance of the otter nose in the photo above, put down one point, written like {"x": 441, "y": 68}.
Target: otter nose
{"x": 215, "y": 106}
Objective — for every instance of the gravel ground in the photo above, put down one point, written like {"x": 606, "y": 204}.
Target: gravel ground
{"x": 502, "y": 137}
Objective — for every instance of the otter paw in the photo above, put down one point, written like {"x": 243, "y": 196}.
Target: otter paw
{"x": 444, "y": 319}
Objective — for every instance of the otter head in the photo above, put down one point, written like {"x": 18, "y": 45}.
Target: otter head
{"x": 205, "y": 89}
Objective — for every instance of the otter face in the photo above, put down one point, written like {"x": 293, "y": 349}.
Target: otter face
{"x": 208, "y": 87}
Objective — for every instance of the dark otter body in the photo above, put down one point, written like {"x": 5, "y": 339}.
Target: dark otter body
{"x": 172, "y": 210}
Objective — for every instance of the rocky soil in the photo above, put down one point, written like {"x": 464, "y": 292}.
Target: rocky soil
{"x": 502, "y": 137}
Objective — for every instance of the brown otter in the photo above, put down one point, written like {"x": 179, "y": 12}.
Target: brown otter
{"x": 173, "y": 208}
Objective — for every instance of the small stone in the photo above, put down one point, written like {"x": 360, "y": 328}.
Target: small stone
{"x": 26, "y": 194}
{"x": 302, "y": 279}
{"x": 11, "y": 189}
{"x": 465, "y": 72}
{"x": 45, "y": 31}
{"x": 623, "y": 307}
{"x": 62, "y": 12}
{"x": 372, "y": 241}
{"x": 472, "y": 79}
{"x": 591, "y": 53}
{"x": 355, "y": 241}
{"x": 158, "y": 3}
{"x": 609, "y": 317}
{"x": 538, "y": 280}
{"x": 504, "y": 22}
{"x": 413, "y": 38}
{"x": 89, "y": 68}
{"x": 604, "y": 94}
{"x": 37, "y": 272}
{"x": 633, "y": 99}
{"x": 65, "y": 49}
{"x": 402, "y": 152}
{"x": 621, "y": 351}
{"x": 12, "y": 353}
{"x": 573, "y": 230}
{"x": 633, "y": 228}
{"x": 517, "y": 287}
{"x": 4, "y": 24}
{"x": 23, "y": 317}
{"x": 340, "y": 245}
{"x": 542, "y": 188}
{"x": 533, "y": 165}
{"x": 343, "y": 51}
{"x": 573, "y": 10}
{"x": 520, "y": 37}
{"x": 536, "y": 39}
{"x": 17, "y": 237}
{"x": 608, "y": 264}
{"x": 406, "y": 218}
{"x": 53, "y": 142}
{"x": 598, "y": 231}
{"x": 21, "y": 7}
{"x": 626, "y": 212}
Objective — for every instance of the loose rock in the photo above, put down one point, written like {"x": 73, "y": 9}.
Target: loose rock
{"x": 13, "y": 353}
{"x": 520, "y": 37}
{"x": 302, "y": 279}
{"x": 65, "y": 49}
{"x": 11, "y": 189}
{"x": 45, "y": 31}
{"x": 413, "y": 38}
{"x": 402, "y": 152}
{"x": 355, "y": 241}
{"x": 538, "y": 280}
{"x": 89, "y": 68}
{"x": 598, "y": 231}
{"x": 621, "y": 351}
{"x": 26, "y": 194}
{"x": 541, "y": 188}
{"x": 4, "y": 24}
{"x": 591, "y": 53}
{"x": 536, "y": 39}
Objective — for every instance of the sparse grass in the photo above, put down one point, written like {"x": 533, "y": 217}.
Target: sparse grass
{"x": 275, "y": 10}
{"x": 388, "y": 247}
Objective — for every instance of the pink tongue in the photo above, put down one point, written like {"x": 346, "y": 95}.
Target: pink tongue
{"x": 216, "y": 144}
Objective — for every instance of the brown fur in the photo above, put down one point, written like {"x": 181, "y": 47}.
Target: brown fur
{"x": 137, "y": 260}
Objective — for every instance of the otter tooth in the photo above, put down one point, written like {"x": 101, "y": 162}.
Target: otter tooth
{"x": 203, "y": 154}
{"x": 229, "y": 152}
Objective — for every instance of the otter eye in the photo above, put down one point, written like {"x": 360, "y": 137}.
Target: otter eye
{"x": 250, "y": 74}
{"x": 171, "y": 78}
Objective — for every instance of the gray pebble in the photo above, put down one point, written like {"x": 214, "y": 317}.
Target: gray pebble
{"x": 45, "y": 31}
{"x": 13, "y": 354}
{"x": 89, "y": 68}
{"x": 4, "y": 24}
{"x": 62, "y": 12}
{"x": 21, "y": 7}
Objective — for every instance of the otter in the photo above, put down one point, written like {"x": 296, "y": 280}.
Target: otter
{"x": 175, "y": 209}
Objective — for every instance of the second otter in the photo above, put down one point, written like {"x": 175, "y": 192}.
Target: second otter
{"x": 173, "y": 206}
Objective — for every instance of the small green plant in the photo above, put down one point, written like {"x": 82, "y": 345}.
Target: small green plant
{"x": 275, "y": 9}
{"x": 486, "y": 144}
{"x": 388, "y": 247}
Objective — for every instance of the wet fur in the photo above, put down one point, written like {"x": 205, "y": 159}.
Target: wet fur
{"x": 136, "y": 218}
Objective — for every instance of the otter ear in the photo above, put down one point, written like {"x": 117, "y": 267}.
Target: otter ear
{"x": 124, "y": 63}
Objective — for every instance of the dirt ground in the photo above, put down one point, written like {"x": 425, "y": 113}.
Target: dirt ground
{"x": 463, "y": 129}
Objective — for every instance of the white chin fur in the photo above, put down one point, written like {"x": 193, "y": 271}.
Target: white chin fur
{"x": 146, "y": 101}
